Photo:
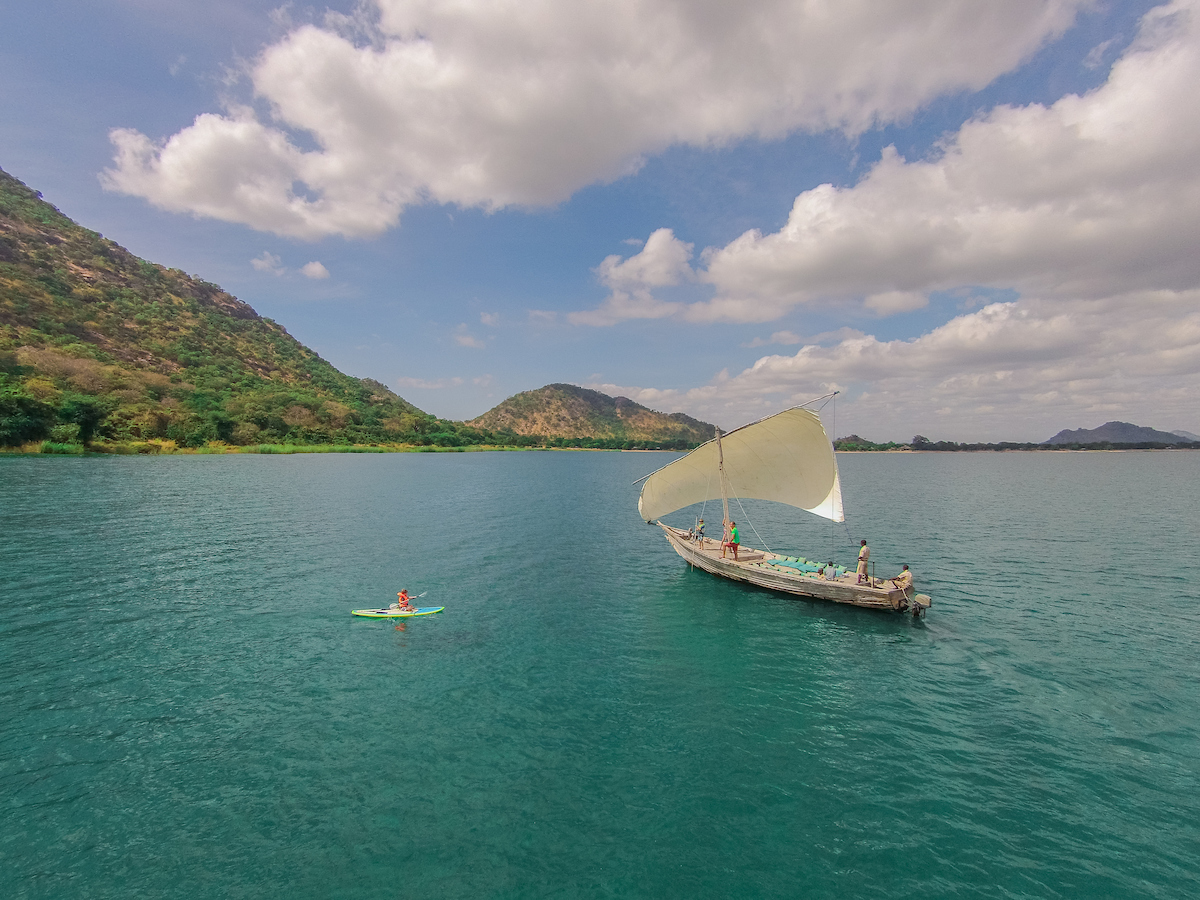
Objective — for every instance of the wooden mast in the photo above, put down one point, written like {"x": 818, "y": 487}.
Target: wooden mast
{"x": 724, "y": 492}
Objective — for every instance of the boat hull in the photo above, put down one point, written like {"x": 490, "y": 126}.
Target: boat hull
{"x": 753, "y": 567}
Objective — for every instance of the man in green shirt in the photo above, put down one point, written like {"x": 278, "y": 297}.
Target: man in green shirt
{"x": 734, "y": 540}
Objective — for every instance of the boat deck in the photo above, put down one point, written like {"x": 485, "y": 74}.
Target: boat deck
{"x": 760, "y": 568}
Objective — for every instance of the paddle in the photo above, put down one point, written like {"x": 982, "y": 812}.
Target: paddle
{"x": 418, "y": 597}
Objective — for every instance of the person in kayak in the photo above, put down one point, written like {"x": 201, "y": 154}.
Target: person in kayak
{"x": 402, "y": 600}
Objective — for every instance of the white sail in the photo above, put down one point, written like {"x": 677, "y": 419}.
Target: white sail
{"x": 786, "y": 458}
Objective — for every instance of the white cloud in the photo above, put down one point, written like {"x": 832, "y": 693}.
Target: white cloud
{"x": 489, "y": 319}
{"x": 789, "y": 337}
{"x": 1096, "y": 55}
{"x": 268, "y": 262}
{"x": 490, "y": 103}
{"x": 427, "y": 385}
{"x": 662, "y": 262}
{"x": 886, "y": 303}
{"x": 464, "y": 338}
{"x": 272, "y": 264}
{"x": 778, "y": 337}
{"x": 1092, "y": 196}
{"x": 1019, "y": 370}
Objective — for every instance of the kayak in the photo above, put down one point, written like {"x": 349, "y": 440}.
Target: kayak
{"x": 396, "y": 613}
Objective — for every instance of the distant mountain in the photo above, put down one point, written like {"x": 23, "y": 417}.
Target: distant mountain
{"x": 1114, "y": 433}
{"x": 96, "y": 344}
{"x": 1187, "y": 435}
{"x": 567, "y": 410}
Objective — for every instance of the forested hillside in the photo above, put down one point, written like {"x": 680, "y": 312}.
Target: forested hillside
{"x": 567, "y": 411}
{"x": 99, "y": 346}
{"x": 100, "y": 349}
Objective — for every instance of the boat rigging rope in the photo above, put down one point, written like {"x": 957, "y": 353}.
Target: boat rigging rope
{"x": 831, "y": 398}
{"x": 746, "y": 516}
{"x": 833, "y": 425}
{"x": 845, "y": 519}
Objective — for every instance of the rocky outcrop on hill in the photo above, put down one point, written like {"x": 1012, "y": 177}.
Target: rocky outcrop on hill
{"x": 568, "y": 410}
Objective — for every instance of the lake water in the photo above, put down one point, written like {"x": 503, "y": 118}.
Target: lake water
{"x": 189, "y": 710}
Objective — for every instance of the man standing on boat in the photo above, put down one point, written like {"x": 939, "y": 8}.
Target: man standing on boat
{"x": 864, "y": 554}
{"x": 734, "y": 540}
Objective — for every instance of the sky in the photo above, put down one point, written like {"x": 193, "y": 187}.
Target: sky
{"x": 978, "y": 222}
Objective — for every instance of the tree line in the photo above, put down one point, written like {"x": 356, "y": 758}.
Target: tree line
{"x": 64, "y": 402}
{"x": 920, "y": 442}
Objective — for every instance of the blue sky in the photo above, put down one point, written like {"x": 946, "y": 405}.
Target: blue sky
{"x": 977, "y": 222}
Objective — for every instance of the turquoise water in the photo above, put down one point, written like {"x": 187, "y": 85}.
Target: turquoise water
{"x": 189, "y": 710}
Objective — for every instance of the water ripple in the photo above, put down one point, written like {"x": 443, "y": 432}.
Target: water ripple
{"x": 190, "y": 711}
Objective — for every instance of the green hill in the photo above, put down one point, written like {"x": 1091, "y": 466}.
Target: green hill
{"x": 571, "y": 412}
{"x": 101, "y": 349}
{"x": 97, "y": 345}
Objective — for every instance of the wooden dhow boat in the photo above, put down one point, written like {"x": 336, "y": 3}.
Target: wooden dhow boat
{"x": 785, "y": 458}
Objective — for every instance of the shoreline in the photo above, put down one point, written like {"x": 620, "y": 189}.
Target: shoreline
{"x": 1033, "y": 450}
{"x": 167, "y": 448}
